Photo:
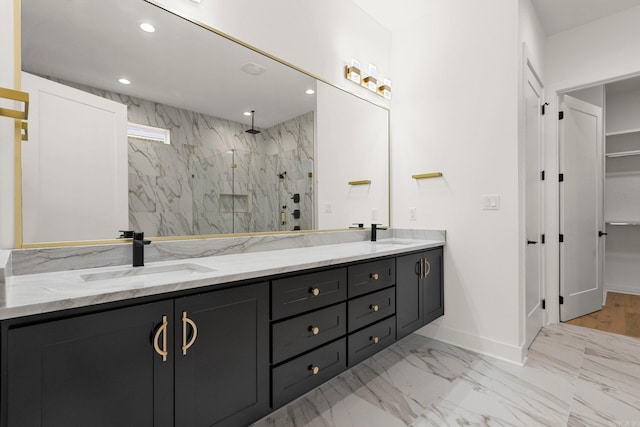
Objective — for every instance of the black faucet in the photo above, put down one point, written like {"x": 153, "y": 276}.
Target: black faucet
{"x": 374, "y": 231}
{"x": 138, "y": 249}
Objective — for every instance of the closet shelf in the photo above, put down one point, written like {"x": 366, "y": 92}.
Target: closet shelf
{"x": 623, "y": 153}
{"x": 622, "y": 223}
{"x": 622, "y": 132}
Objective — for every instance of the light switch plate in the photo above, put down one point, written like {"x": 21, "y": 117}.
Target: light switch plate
{"x": 491, "y": 202}
{"x": 413, "y": 214}
{"x": 374, "y": 214}
{"x": 328, "y": 208}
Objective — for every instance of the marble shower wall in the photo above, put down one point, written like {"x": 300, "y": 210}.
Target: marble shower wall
{"x": 191, "y": 187}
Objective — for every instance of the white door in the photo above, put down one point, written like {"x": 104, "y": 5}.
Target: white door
{"x": 75, "y": 177}
{"x": 533, "y": 204}
{"x": 581, "y": 218}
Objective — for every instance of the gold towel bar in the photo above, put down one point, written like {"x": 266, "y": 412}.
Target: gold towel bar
{"x": 363, "y": 182}
{"x": 24, "y": 126}
{"x": 427, "y": 175}
{"x": 15, "y": 95}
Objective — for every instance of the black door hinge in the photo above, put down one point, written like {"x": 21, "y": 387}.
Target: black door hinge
{"x": 561, "y": 238}
{"x": 543, "y": 109}
{"x": 561, "y": 299}
{"x": 561, "y": 177}
{"x": 544, "y": 304}
{"x": 542, "y": 239}
{"x": 560, "y": 115}
{"x": 542, "y": 175}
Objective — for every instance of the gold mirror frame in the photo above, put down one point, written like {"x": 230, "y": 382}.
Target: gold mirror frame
{"x": 19, "y": 244}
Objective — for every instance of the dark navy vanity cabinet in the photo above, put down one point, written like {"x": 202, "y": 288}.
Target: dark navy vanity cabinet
{"x": 225, "y": 355}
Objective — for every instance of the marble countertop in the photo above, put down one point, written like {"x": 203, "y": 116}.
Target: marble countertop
{"x": 47, "y": 292}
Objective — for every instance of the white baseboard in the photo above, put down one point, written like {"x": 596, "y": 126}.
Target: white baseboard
{"x": 485, "y": 346}
{"x": 622, "y": 289}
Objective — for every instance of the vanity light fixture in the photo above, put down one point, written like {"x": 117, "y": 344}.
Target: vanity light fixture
{"x": 124, "y": 81}
{"x": 309, "y": 91}
{"x": 147, "y": 28}
{"x": 353, "y": 73}
{"x": 247, "y": 113}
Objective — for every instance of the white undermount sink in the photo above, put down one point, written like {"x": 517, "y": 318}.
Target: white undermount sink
{"x": 174, "y": 271}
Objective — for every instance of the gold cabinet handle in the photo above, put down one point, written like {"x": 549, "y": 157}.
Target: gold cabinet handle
{"x": 427, "y": 267}
{"x": 314, "y": 291}
{"x": 162, "y": 330}
{"x": 374, "y": 339}
{"x": 374, "y": 276}
{"x": 374, "y": 307}
{"x": 187, "y": 345}
{"x": 314, "y": 369}
{"x": 314, "y": 330}
{"x": 422, "y": 268}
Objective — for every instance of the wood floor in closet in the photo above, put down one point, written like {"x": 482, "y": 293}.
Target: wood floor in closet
{"x": 620, "y": 315}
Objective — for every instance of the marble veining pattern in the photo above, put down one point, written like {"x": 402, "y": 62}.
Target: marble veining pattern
{"x": 176, "y": 189}
{"x": 573, "y": 377}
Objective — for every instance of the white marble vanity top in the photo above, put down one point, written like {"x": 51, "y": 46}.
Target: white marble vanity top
{"x": 46, "y": 292}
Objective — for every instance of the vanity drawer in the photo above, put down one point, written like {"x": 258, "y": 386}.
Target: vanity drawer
{"x": 307, "y": 292}
{"x": 300, "y": 375}
{"x": 299, "y": 334}
{"x": 371, "y": 276}
{"x": 371, "y": 308}
{"x": 371, "y": 340}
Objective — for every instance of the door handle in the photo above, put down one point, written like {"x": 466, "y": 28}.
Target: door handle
{"x": 601, "y": 233}
{"x": 186, "y": 345}
{"x": 531, "y": 242}
{"x": 162, "y": 331}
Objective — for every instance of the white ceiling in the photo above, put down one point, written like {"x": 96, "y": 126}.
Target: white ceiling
{"x": 560, "y": 15}
{"x": 555, "y": 15}
{"x": 95, "y": 42}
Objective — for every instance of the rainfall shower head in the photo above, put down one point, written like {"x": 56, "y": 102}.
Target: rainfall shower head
{"x": 253, "y": 130}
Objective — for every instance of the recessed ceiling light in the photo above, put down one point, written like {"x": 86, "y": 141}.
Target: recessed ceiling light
{"x": 124, "y": 81}
{"x": 247, "y": 113}
{"x": 147, "y": 28}
{"x": 309, "y": 91}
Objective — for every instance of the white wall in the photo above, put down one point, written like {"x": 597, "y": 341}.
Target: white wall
{"x": 455, "y": 110}
{"x": 590, "y": 54}
{"x": 354, "y": 147}
{"x": 6, "y": 127}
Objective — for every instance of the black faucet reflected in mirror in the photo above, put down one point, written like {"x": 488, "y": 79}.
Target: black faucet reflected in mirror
{"x": 138, "y": 249}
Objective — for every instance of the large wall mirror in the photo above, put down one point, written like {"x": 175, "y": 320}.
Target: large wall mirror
{"x": 181, "y": 131}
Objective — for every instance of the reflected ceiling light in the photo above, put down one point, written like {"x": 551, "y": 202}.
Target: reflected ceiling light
{"x": 253, "y": 68}
{"x": 124, "y": 81}
{"x": 196, "y": 1}
{"x": 309, "y": 91}
{"x": 147, "y": 28}
{"x": 247, "y": 113}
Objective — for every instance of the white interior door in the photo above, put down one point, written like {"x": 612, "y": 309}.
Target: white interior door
{"x": 533, "y": 205}
{"x": 75, "y": 177}
{"x": 581, "y": 194}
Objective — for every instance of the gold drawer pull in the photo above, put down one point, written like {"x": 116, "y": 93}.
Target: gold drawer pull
{"x": 374, "y": 307}
{"x": 162, "y": 330}
{"x": 314, "y": 369}
{"x": 314, "y": 291}
{"x": 427, "y": 267}
{"x": 187, "y": 345}
{"x": 374, "y": 339}
{"x": 314, "y": 330}
{"x": 374, "y": 276}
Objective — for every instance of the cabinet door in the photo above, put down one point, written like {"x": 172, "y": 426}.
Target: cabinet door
{"x": 433, "y": 286}
{"x": 409, "y": 294}
{"x": 91, "y": 370}
{"x": 222, "y": 378}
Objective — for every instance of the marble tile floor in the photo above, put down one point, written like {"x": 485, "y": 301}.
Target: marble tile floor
{"x": 573, "y": 377}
